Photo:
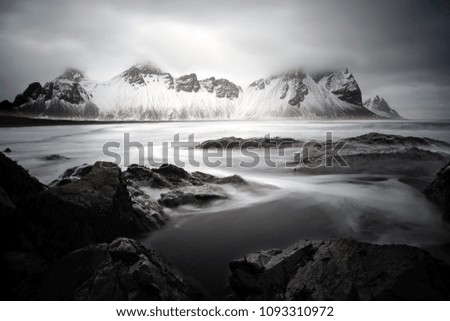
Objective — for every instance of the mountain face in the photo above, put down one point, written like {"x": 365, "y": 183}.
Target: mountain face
{"x": 296, "y": 94}
{"x": 145, "y": 92}
{"x": 380, "y": 107}
{"x": 62, "y": 97}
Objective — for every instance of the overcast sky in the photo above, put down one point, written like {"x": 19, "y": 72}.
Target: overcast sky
{"x": 397, "y": 49}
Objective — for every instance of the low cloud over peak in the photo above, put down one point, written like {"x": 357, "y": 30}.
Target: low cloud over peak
{"x": 398, "y": 49}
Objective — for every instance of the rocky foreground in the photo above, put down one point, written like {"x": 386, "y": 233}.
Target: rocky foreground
{"x": 71, "y": 241}
{"x": 341, "y": 270}
{"x": 40, "y": 225}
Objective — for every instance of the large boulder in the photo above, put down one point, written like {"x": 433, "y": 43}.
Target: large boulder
{"x": 17, "y": 182}
{"x": 88, "y": 205}
{"x": 21, "y": 267}
{"x": 179, "y": 187}
{"x": 6, "y": 107}
{"x": 439, "y": 191}
{"x": 197, "y": 195}
{"x": 121, "y": 270}
{"x": 341, "y": 270}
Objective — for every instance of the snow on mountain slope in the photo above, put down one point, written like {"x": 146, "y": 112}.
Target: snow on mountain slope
{"x": 145, "y": 92}
{"x": 380, "y": 107}
{"x": 295, "y": 94}
{"x": 62, "y": 97}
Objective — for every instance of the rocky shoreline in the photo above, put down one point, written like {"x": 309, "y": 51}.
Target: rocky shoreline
{"x": 73, "y": 240}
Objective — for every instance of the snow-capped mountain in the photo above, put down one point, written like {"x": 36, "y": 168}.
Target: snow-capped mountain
{"x": 62, "y": 97}
{"x": 145, "y": 92}
{"x": 296, "y": 94}
{"x": 380, "y": 107}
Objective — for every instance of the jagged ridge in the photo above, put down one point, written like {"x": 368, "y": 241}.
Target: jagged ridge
{"x": 145, "y": 92}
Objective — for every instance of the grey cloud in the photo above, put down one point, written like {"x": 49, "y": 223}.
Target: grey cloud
{"x": 398, "y": 49}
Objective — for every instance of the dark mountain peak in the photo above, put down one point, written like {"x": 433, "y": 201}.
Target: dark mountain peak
{"x": 135, "y": 74}
{"x": 72, "y": 74}
{"x": 381, "y": 107}
{"x": 223, "y": 87}
{"x": 188, "y": 83}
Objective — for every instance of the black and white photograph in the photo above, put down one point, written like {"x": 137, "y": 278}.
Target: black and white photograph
{"x": 225, "y": 151}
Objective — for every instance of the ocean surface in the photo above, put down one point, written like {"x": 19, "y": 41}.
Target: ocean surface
{"x": 277, "y": 209}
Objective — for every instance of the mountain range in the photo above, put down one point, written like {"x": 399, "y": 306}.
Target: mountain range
{"x": 145, "y": 92}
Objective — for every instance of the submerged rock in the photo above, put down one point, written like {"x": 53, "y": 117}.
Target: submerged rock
{"x": 121, "y": 270}
{"x": 341, "y": 270}
{"x": 192, "y": 195}
{"x": 180, "y": 187}
{"x": 374, "y": 153}
{"x": 439, "y": 191}
{"x": 256, "y": 142}
{"x": 55, "y": 157}
{"x": 375, "y": 138}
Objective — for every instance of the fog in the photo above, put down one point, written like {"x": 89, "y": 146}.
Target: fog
{"x": 398, "y": 49}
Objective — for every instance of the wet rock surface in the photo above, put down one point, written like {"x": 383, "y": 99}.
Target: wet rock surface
{"x": 89, "y": 204}
{"x": 97, "y": 205}
{"x": 375, "y": 153}
{"x": 439, "y": 191}
{"x": 341, "y": 270}
{"x": 6, "y": 107}
{"x": 55, "y": 157}
{"x": 197, "y": 195}
{"x": 120, "y": 270}
{"x": 256, "y": 142}
{"x": 180, "y": 187}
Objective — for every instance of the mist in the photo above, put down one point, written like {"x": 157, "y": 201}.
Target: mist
{"x": 398, "y": 50}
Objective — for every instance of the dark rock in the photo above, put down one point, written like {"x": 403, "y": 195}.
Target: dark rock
{"x": 140, "y": 176}
{"x": 256, "y": 142}
{"x": 341, "y": 270}
{"x": 21, "y": 267}
{"x": 135, "y": 75}
{"x": 184, "y": 188}
{"x": 223, "y": 87}
{"x": 121, "y": 270}
{"x": 207, "y": 178}
{"x": 6, "y": 107}
{"x": 7, "y": 150}
{"x": 187, "y": 83}
{"x": 380, "y": 107}
{"x": 439, "y": 191}
{"x": 16, "y": 182}
{"x": 345, "y": 87}
{"x": 198, "y": 195}
{"x": 259, "y": 84}
{"x": 94, "y": 207}
{"x": 300, "y": 88}
{"x": 55, "y": 157}
{"x": 374, "y": 153}
{"x": 32, "y": 92}
{"x": 72, "y": 174}
{"x": 411, "y": 162}
{"x": 63, "y": 97}
{"x": 374, "y": 138}
{"x": 72, "y": 74}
